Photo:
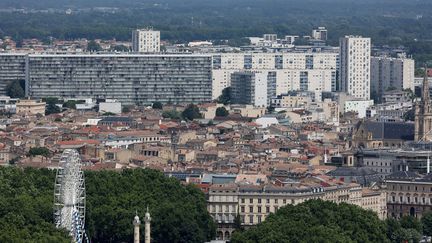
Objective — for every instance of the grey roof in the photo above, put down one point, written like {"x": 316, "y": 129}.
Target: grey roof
{"x": 361, "y": 175}
{"x": 390, "y": 130}
{"x": 351, "y": 171}
{"x": 403, "y": 175}
{"x": 218, "y": 179}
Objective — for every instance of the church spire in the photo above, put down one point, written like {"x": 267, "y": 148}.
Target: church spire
{"x": 425, "y": 94}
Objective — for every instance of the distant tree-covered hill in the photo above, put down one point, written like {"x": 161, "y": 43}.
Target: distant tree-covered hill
{"x": 392, "y": 22}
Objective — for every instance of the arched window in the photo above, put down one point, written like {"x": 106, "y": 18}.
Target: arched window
{"x": 412, "y": 211}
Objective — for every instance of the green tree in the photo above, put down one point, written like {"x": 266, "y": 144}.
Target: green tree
{"x": 39, "y": 151}
{"x": 191, "y": 112}
{"x": 270, "y": 109}
{"x": 317, "y": 221}
{"x": 71, "y": 104}
{"x": 26, "y": 205}
{"x": 157, "y": 105}
{"x": 171, "y": 114}
{"x": 409, "y": 115}
{"x": 52, "y": 109}
{"x": 178, "y": 212}
{"x": 426, "y": 221}
{"x": 225, "y": 97}
{"x": 237, "y": 223}
{"x": 15, "y": 89}
{"x": 51, "y": 100}
{"x": 120, "y": 48}
{"x": 92, "y": 46}
{"x": 409, "y": 222}
{"x": 221, "y": 111}
{"x": 126, "y": 109}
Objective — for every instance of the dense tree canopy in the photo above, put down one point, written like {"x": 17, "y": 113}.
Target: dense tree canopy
{"x": 39, "y": 151}
{"x": 157, "y": 105}
{"x": 427, "y": 223}
{"x": 93, "y": 46}
{"x": 225, "y": 97}
{"x": 191, "y": 112}
{"x": 26, "y": 205}
{"x": 222, "y": 111}
{"x": 178, "y": 212}
{"x": 317, "y": 221}
{"x": 16, "y": 89}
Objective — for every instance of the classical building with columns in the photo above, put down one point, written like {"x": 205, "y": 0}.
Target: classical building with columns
{"x": 408, "y": 193}
{"x": 254, "y": 203}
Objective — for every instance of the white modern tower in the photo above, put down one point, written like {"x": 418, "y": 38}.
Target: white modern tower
{"x": 146, "y": 40}
{"x": 355, "y": 64}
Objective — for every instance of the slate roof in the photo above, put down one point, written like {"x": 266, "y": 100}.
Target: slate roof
{"x": 390, "y": 130}
{"x": 403, "y": 175}
{"x": 352, "y": 171}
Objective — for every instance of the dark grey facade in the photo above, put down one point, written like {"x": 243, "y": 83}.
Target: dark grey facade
{"x": 131, "y": 79}
{"x": 12, "y": 69}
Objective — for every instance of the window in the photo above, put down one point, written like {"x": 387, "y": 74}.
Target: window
{"x": 251, "y": 209}
{"x": 259, "y": 200}
{"x": 251, "y": 200}
{"x": 259, "y": 219}
{"x": 276, "y": 208}
{"x": 251, "y": 219}
{"x": 242, "y": 200}
{"x": 259, "y": 209}
{"x": 268, "y": 209}
{"x": 267, "y": 200}
{"x": 242, "y": 209}
{"x": 284, "y": 201}
{"x": 276, "y": 201}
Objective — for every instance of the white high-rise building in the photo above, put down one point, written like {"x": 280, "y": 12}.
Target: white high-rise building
{"x": 391, "y": 73}
{"x": 146, "y": 40}
{"x": 309, "y": 71}
{"x": 320, "y": 34}
{"x": 355, "y": 63}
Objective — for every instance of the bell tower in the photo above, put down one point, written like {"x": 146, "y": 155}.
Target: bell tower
{"x": 423, "y": 113}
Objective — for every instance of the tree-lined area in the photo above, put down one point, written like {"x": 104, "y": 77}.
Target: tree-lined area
{"x": 178, "y": 212}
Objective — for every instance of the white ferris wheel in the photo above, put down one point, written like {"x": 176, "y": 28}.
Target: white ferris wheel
{"x": 69, "y": 196}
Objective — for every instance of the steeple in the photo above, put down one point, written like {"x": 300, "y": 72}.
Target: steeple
{"x": 425, "y": 94}
{"x": 423, "y": 114}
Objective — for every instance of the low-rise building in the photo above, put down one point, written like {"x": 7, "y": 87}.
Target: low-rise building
{"x": 30, "y": 107}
